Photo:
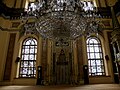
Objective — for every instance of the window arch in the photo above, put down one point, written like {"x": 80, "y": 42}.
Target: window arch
{"x": 28, "y": 58}
{"x": 95, "y": 57}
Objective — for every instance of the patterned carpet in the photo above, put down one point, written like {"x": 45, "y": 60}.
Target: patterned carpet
{"x": 64, "y": 87}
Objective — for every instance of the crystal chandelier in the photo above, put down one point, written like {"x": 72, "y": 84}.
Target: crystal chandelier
{"x": 62, "y": 19}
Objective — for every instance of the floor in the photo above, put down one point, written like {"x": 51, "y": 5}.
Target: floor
{"x": 62, "y": 87}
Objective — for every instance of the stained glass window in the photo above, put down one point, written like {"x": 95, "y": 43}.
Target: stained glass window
{"x": 95, "y": 57}
{"x": 28, "y": 58}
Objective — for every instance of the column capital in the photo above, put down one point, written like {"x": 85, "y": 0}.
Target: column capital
{"x": 115, "y": 35}
{"x": 111, "y": 2}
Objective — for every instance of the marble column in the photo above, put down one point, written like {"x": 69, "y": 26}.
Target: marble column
{"x": 116, "y": 40}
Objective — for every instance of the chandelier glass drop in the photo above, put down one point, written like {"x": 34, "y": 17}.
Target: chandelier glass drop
{"x": 62, "y": 19}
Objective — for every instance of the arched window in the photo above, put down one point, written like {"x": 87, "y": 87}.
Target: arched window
{"x": 95, "y": 57}
{"x": 28, "y": 58}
